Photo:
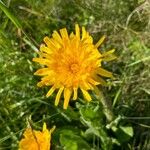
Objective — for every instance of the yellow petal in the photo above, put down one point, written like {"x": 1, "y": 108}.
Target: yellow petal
{"x": 88, "y": 39}
{"x": 50, "y": 92}
{"x": 42, "y": 61}
{"x": 83, "y": 33}
{"x": 44, "y": 48}
{"x": 86, "y": 95}
{"x": 102, "y": 82}
{"x": 75, "y": 93}
{"x": 28, "y": 133}
{"x": 40, "y": 84}
{"x": 93, "y": 81}
{"x": 67, "y": 95}
{"x": 64, "y": 33}
{"x": 109, "y": 52}
{"x": 49, "y": 43}
{"x": 47, "y": 80}
{"x": 44, "y": 126}
{"x": 71, "y": 35}
{"x": 104, "y": 72}
{"x": 43, "y": 72}
{"x": 55, "y": 43}
{"x": 100, "y": 41}
{"x": 45, "y": 56}
{"x": 57, "y": 37}
{"x": 58, "y": 96}
{"x": 109, "y": 56}
{"x": 85, "y": 85}
{"x": 52, "y": 129}
{"x": 77, "y": 29}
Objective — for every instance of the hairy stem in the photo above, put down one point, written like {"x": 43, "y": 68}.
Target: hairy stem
{"x": 106, "y": 106}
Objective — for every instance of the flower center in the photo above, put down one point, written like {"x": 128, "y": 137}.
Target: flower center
{"x": 74, "y": 68}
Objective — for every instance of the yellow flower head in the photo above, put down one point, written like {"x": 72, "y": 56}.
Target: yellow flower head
{"x": 36, "y": 140}
{"x": 71, "y": 62}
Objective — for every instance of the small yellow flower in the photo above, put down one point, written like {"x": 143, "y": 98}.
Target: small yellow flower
{"x": 36, "y": 140}
{"x": 72, "y": 62}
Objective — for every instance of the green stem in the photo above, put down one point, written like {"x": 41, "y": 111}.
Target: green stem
{"x": 106, "y": 106}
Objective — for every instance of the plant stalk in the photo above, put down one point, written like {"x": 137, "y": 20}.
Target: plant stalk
{"x": 106, "y": 106}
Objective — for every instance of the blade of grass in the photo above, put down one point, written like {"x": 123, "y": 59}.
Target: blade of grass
{"x": 139, "y": 61}
{"x": 117, "y": 96}
{"x": 9, "y": 14}
{"x": 16, "y": 22}
{"x": 30, "y": 44}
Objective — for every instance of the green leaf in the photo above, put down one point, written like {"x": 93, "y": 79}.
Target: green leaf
{"x": 124, "y": 133}
{"x": 127, "y": 130}
{"x": 92, "y": 117}
{"x": 9, "y": 14}
{"x": 91, "y": 111}
{"x": 70, "y": 141}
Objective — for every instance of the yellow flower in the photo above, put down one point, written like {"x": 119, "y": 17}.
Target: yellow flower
{"x": 72, "y": 62}
{"x": 36, "y": 140}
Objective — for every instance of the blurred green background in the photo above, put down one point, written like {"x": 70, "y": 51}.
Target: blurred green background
{"x": 126, "y": 23}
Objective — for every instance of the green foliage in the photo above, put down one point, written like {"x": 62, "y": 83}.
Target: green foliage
{"x": 10, "y": 15}
{"x": 82, "y": 125}
{"x": 69, "y": 140}
{"x": 91, "y": 116}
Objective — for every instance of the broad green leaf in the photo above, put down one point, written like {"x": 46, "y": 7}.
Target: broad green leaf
{"x": 92, "y": 117}
{"x": 91, "y": 111}
{"x": 70, "y": 141}
{"x": 124, "y": 133}
{"x": 128, "y": 130}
